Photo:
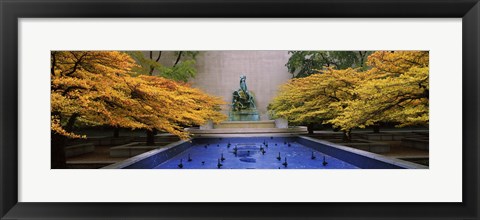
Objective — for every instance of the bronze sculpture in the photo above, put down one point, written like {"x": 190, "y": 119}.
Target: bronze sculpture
{"x": 242, "y": 98}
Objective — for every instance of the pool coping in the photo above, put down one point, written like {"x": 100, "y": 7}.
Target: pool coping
{"x": 394, "y": 161}
{"x": 134, "y": 159}
{"x": 297, "y": 130}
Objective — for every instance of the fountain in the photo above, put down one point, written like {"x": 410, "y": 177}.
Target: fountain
{"x": 244, "y": 119}
{"x": 243, "y": 104}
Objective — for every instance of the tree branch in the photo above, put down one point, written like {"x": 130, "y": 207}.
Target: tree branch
{"x": 67, "y": 90}
{"x": 159, "y": 55}
{"x": 178, "y": 58}
{"x": 77, "y": 63}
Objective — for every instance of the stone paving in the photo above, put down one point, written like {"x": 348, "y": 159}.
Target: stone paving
{"x": 99, "y": 158}
{"x": 399, "y": 151}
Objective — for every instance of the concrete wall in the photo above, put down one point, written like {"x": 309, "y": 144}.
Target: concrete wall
{"x": 219, "y": 74}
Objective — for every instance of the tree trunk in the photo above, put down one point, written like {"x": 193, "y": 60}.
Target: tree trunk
{"x": 310, "y": 128}
{"x": 376, "y": 128}
{"x": 116, "y": 132}
{"x": 57, "y": 153}
{"x": 347, "y": 136}
{"x": 151, "y": 137}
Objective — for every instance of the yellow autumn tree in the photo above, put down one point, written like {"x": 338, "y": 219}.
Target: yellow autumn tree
{"x": 96, "y": 88}
{"x": 394, "y": 88}
{"x": 316, "y": 98}
{"x": 88, "y": 86}
{"x": 169, "y": 106}
{"x": 180, "y": 70}
{"x": 396, "y": 91}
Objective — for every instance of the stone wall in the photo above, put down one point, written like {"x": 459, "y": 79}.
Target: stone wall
{"x": 219, "y": 74}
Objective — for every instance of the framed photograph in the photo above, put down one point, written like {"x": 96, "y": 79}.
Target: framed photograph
{"x": 225, "y": 109}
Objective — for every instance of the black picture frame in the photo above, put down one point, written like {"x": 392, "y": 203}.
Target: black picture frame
{"x": 11, "y": 11}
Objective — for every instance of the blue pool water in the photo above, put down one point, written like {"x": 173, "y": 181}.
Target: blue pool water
{"x": 252, "y": 153}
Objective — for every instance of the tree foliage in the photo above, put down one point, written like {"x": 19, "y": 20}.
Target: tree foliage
{"x": 304, "y": 63}
{"x": 397, "y": 90}
{"x": 87, "y": 86}
{"x": 169, "y": 106}
{"x": 394, "y": 88}
{"x": 175, "y": 65}
{"x": 178, "y": 66}
{"x": 97, "y": 88}
{"x": 318, "y": 97}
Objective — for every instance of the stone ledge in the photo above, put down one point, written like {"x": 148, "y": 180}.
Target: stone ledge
{"x": 389, "y": 136}
{"x": 366, "y": 145}
{"x": 199, "y": 136}
{"x": 79, "y": 149}
{"x": 296, "y": 130}
{"x": 130, "y": 150}
{"x": 418, "y": 143}
{"x": 88, "y": 164}
{"x": 158, "y": 138}
{"x": 105, "y": 141}
{"x": 244, "y": 124}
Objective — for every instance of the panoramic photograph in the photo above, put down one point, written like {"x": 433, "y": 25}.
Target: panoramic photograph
{"x": 234, "y": 109}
